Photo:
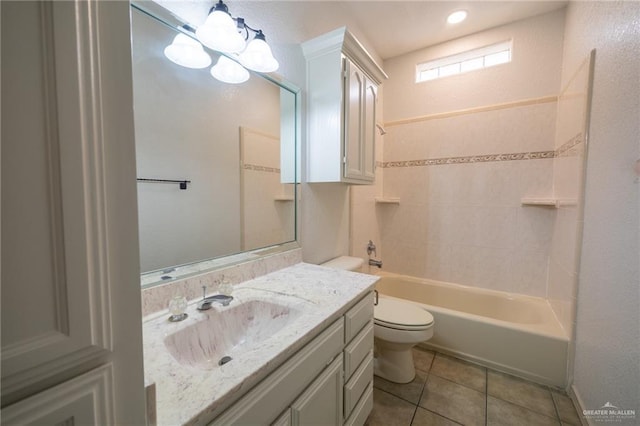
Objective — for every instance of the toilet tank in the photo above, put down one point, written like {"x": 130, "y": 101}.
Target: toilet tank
{"x": 347, "y": 263}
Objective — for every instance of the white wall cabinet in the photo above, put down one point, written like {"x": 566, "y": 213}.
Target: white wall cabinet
{"x": 314, "y": 386}
{"x": 70, "y": 283}
{"x": 342, "y": 86}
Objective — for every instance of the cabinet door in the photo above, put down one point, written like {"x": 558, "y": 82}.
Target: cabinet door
{"x": 353, "y": 105}
{"x": 321, "y": 403}
{"x": 369, "y": 130}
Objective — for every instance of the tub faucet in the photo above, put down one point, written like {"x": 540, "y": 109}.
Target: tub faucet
{"x": 374, "y": 262}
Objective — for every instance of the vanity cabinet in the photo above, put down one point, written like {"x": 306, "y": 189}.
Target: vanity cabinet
{"x": 328, "y": 381}
{"x": 342, "y": 85}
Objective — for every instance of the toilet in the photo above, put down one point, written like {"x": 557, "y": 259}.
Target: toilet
{"x": 398, "y": 326}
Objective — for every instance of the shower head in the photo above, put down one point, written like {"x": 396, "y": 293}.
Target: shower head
{"x": 381, "y": 129}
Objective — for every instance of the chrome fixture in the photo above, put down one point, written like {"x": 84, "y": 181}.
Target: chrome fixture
{"x": 373, "y": 262}
{"x": 371, "y": 248}
{"x": 206, "y": 303}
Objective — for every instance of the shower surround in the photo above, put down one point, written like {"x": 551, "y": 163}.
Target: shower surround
{"x": 460, "y": 180}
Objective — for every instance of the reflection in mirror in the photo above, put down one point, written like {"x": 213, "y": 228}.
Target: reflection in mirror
{"x": 235, "y": 144}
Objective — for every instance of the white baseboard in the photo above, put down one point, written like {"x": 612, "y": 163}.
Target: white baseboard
{"x": 579, "y": 404}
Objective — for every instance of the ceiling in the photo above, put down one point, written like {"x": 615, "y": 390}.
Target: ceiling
{"x": 390, "y": 28}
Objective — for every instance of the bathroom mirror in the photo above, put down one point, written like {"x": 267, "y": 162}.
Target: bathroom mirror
{"x": 216, "y": 162}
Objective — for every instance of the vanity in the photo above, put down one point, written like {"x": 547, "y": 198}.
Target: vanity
{"x": 295, "y": 347}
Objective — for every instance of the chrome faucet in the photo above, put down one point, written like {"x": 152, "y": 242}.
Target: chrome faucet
{"x": 374, "y": 262}
{"x": 371, "y": 248}
{"x": 206, "y": 302}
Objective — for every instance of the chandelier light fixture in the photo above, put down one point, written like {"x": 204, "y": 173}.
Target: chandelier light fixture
{"x": 243, "y": 47}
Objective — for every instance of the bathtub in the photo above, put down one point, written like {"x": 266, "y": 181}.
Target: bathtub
{"x": 511, "y": 333}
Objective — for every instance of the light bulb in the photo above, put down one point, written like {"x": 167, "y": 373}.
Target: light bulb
{"x": 229, "y": 71}
{"x": 457, "y": 17}
{"x": 219, "y": 32}
{"x": 258, "y": 57}
{"x": 187, "y": 52}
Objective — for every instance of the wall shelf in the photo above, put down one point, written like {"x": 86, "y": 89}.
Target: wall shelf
{"x": 387, "y": 200}
{"x": 548, "y": 202}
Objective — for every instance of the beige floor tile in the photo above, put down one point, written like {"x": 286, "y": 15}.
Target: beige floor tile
{"x": 520, "y": 392}
{"x": 566, "y": 409}
{"x": 454, "y": 401}
{"x": 389, "y": 410}
{"x": 462, "y": 372}
{"x": 408, "y": 391}
{"x": 503, "y": 413}
{"x": 422, "y": 358}
{"x": 427, "y": 418}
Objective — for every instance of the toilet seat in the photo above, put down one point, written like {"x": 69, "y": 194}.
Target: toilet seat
{"x": 399, "y": 315}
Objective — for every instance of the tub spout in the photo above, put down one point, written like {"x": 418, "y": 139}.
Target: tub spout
{"x": 374, "y": 262}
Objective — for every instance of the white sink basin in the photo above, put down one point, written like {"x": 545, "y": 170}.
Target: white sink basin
{"x": 228, "y": 333}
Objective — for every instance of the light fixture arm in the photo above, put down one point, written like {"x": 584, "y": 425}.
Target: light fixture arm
{"x": 242, "y": 25}
{"x": 220, "y": 6}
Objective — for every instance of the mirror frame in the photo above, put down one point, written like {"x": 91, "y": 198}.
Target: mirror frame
{"x": 154, "y": 278}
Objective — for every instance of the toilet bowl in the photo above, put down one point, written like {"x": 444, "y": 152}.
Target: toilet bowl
{"x": 398, "y": 326}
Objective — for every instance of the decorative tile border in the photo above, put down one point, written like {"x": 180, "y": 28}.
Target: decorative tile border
{"x": 567, "y": 149}
{"x": 470, "y": 159}
{"x": 571, "y": 148}
{"x": 257, "y": 168}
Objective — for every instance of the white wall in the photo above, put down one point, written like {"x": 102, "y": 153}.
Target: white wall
{"x": 534, "y": 71}
{"x": 607, "y": 359}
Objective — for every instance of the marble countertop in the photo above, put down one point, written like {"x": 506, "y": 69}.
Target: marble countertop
{"x": 188, "y": 394}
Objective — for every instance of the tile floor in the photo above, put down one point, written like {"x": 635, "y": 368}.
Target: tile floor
{"x": 448, "y": 391}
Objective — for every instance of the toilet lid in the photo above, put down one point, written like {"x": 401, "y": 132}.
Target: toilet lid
{"x": 396, "y": 313}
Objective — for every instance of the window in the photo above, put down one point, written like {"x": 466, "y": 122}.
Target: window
{"x": 484, "y": 57}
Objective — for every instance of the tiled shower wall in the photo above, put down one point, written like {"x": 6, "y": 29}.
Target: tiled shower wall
{"x": 460, "y": 153}
{"x": 460, "y": 181}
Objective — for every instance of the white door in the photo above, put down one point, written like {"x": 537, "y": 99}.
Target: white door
{"x": 71, "y": 317}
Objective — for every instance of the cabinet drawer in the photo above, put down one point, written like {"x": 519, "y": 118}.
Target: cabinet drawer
{"x": 270, "y": 397}
{"x": 357, "y": 317}
{"x": 357, "y": 350}
{"x": 363, "y": 408}
{"x": 358, "y": 383}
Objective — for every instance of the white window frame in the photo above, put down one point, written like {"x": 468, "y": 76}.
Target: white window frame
{"x": 443, "y": 66}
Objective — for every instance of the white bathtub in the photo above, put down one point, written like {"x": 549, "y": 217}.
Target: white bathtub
{"x": 512, "y": 333}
